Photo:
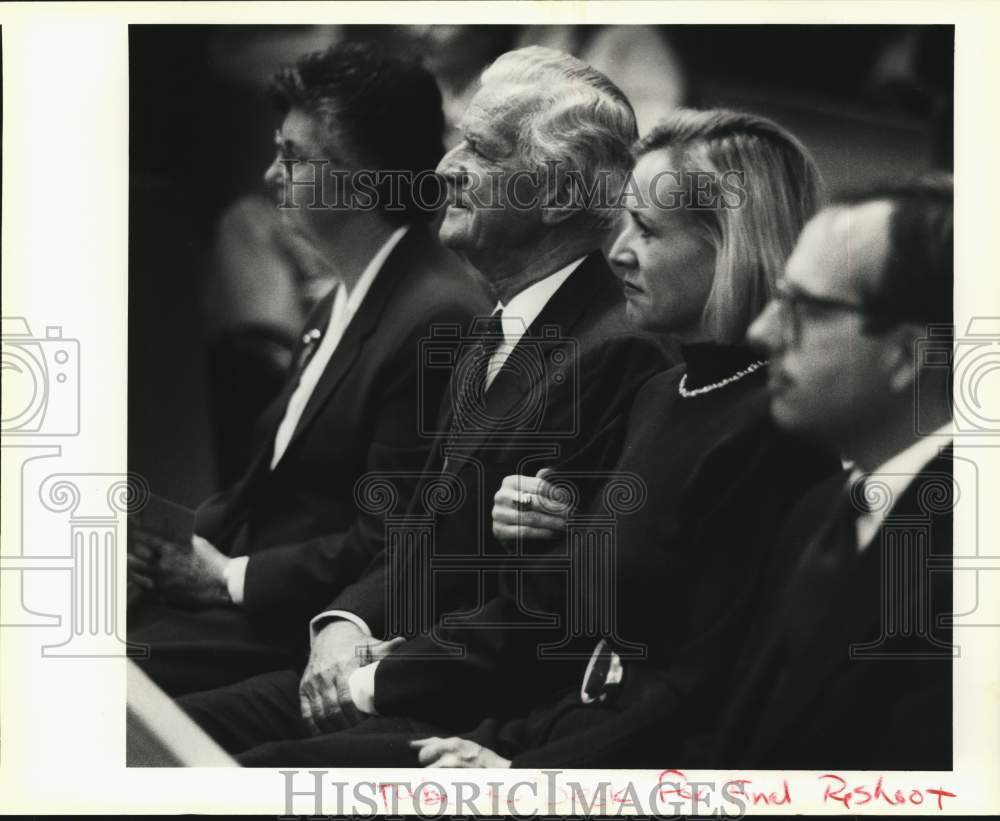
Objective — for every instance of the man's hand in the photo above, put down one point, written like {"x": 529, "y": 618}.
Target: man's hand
{"x": 190, "y": 574}
{"x": 529, "y": 507}
{"x": 143, "y": 553}
{"x": 456, "y": 752}
{"x": 338, "y": 650}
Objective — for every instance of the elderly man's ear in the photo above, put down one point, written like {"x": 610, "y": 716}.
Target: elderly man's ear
{"x": 564, "y": 200}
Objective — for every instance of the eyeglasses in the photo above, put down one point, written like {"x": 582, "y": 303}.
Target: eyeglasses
{"x": 792, "y": 302}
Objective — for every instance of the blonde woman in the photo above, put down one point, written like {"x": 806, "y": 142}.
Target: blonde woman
{"x": 713, "y": 207}
{"x": 716, "y": 202}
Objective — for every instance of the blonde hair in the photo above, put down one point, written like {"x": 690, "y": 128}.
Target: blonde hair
{"x": 753, "y": 229}
{"x": 573, "y": 117}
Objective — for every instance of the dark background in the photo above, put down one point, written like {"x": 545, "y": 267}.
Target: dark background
{"x": 869, "y": 101}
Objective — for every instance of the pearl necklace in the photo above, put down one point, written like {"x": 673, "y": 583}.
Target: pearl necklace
{"x": 749, "y": 369}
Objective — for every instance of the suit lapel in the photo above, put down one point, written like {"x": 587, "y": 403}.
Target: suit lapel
{"x": 526, "y": 371}
{"x": 854, "y": 616}
{"x": 361, "y": 326}
{"x": 761, "y": 677}
{"x": 258, "y": 468}
{"x": 850, "y": 619}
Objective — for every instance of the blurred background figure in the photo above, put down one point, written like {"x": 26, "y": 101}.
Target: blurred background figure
{"x": 638, "y": 59}
{"x": 261, "y": 280}
{"x": 456, "y": 55}
{"x": 868, "y": 101}
{"x": 913, "y": 74}
{"x": 258, "y": 292}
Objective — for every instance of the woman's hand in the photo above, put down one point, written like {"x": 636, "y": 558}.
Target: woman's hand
{"x": 529, "y": 507}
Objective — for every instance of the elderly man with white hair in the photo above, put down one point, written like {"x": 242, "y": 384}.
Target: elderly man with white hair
{"x": 548, "y": 384}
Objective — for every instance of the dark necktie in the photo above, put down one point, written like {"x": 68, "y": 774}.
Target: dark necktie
{"x": 469, "y": 390}
{"x": 310, "y": 342}
{"x": 823, "y": 568}
{"x": 306, "y": 351}
{"x": 468, "y": 384}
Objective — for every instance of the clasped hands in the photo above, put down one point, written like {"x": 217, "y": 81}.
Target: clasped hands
{"x": 192, "y": 574}
{"x": 340, "y": 648}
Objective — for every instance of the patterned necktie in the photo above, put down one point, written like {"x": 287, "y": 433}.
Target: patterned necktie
{"x": 470, "y": 379}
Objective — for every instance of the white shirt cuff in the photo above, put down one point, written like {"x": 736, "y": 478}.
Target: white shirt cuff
{"x": 319, "y": 622}
{"x": 236, "y": 577}
{"x": 362, "y": 686}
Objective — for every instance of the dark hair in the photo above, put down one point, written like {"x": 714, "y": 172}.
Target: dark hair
{"x": 917, "y": 281}
{"x": 388, "y": 110}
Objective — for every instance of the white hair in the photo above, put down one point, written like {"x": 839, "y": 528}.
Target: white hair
{"x": 574, "y": 118}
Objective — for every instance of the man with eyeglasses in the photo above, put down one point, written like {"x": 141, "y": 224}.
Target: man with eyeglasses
{"x": 851, "y": 667}
{"x": 276, "y": 545}
{"x": 847, "y": 666}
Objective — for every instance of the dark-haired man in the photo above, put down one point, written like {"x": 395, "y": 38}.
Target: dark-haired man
{"x": 852, "y": 670}
{"x": 277, "y": 545}
{"x": 849, "y": 668}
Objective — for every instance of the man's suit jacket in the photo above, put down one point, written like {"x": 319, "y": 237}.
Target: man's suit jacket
{"x": 299, "y": 523}
{"x": 873, "y": 690}
{"x": 584, "y": 378}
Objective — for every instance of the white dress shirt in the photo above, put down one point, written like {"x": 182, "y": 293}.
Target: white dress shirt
{"x": 518, "y": 314}
{"x": 521, "y": 311}
{"x": 896, "y": 474}
{"x": 343, "y": 310}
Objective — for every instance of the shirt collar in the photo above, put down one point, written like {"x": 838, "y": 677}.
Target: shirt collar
{"x": 906, "y": 464}
{"x": 896, "y": 474}
{"x": 367, "y": 277}
{"x": 525, "y": 306}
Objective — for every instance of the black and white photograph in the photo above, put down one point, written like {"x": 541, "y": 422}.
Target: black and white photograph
{"x": 585, "y": 402}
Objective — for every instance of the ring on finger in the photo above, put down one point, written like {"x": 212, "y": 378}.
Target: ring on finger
{"x": 523, "y": 501}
